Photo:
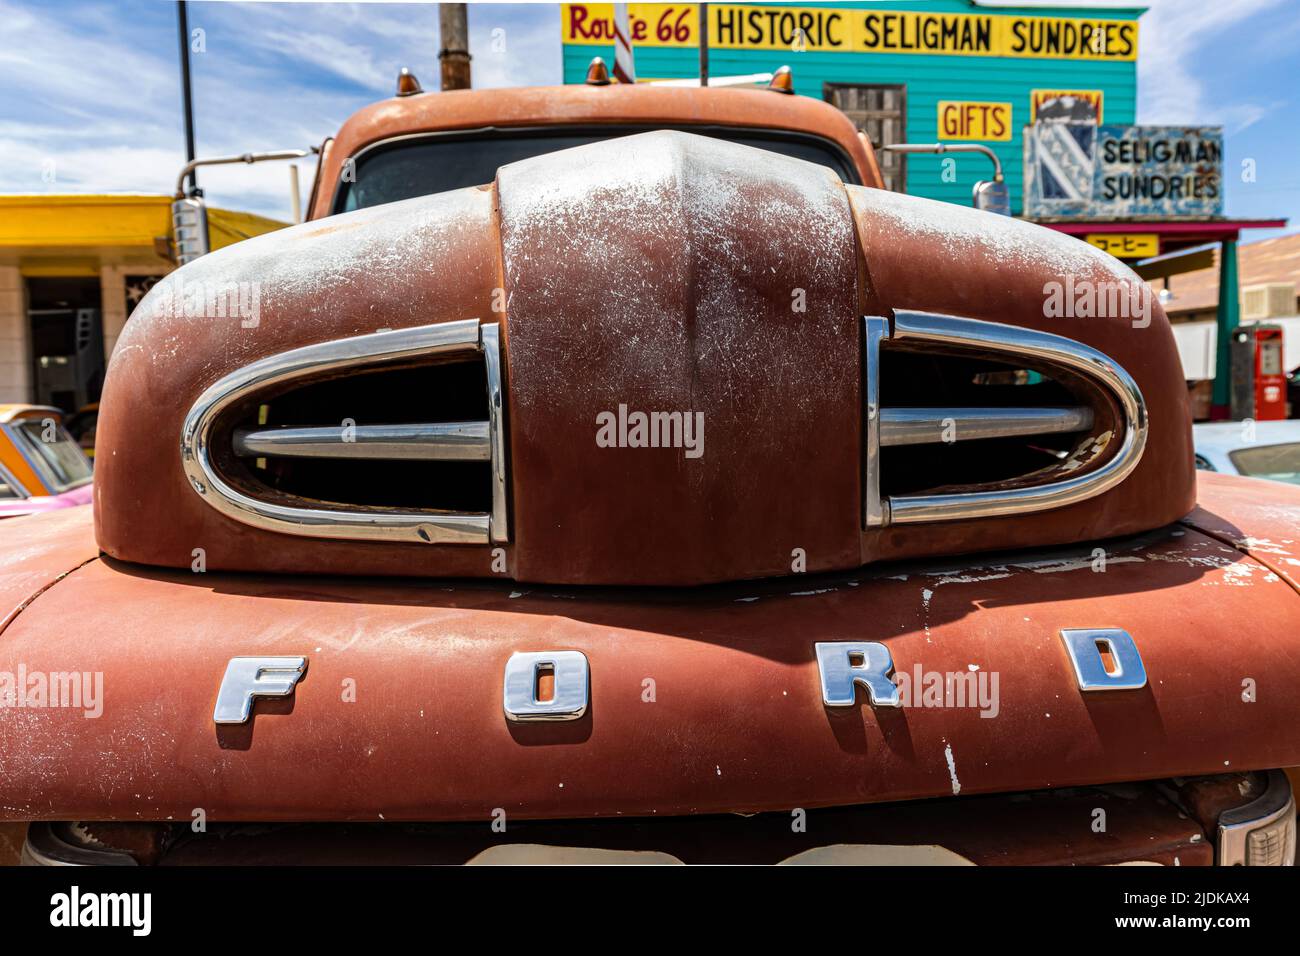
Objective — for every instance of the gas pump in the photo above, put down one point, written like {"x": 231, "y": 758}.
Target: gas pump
{"x": 1258, "y": 375}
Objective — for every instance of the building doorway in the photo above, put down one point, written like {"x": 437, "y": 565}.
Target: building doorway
{"x": 67, "y": 339}
{"x": 879, "y": 111}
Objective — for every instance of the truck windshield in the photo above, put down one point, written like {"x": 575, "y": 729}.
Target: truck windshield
{"x": 1278, "y": 462}
{"x": 420, "y": 166}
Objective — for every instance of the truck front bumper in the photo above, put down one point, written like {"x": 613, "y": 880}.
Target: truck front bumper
{"x": 1231, "y": 819}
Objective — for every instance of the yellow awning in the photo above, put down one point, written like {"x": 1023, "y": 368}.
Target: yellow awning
{"x": 52, "y": 231}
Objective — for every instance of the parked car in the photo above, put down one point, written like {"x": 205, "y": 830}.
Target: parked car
{"x": 649, "y": 496}
{"x": 41, "y": 467}
{"x": 1258, "y": 449}
{"x": 81, "y": 426}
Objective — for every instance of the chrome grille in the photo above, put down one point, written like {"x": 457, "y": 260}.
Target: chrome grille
{"x": 900, "y": 426}
{"x": 456, "y": 441}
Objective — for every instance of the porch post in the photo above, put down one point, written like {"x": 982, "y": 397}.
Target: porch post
{"x": 1228, "y": 318}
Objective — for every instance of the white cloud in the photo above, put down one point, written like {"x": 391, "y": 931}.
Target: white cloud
{"x": 1175, "y": 35}
{"x": 1174, "y": 39}
{"x": 93, "y": 93}
{"x": 526, "y": 51}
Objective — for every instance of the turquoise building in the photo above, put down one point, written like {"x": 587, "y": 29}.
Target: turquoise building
{"x": 922, "y": 72}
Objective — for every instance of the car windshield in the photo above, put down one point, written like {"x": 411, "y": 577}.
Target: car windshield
{"x": 53, "y": 453}
{"x": 1277, "y": 462}
{"x": 418, "y": 167}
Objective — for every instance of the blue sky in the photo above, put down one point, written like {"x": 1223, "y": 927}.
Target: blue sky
{"x": 91, "y": 90}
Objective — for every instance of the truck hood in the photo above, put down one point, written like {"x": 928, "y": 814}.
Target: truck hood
{"x": 614, "y": 294}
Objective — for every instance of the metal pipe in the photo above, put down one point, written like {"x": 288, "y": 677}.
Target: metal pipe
{"x": 295, "y": 197}
{"x": 434, "y": 441}
{"x": 453, "y": 32}
{"x": 194, "y": 164}
{"x": 187, "y": 98}
{"x": 950, "y": 148}
{"x": 704, "y": 44}
{"x": 925, "y": 426}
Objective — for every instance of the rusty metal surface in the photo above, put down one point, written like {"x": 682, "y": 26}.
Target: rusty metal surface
{"x": 1261, "y": 518}
{"x": 11, "y": 842}
{"x": 671, "y": 286}
{"x": 672, "y": 260}
{"x": 737, "y": 723}
{"x": 408, "y": 264}
{"x": 934, "y": 256}
{"x": 37, "y": 551}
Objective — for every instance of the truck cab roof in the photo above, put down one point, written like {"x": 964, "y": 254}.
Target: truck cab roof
{"x": 584, "y": 110}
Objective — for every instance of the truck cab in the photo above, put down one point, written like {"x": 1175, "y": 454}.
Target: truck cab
{"x": 418, "y": 143}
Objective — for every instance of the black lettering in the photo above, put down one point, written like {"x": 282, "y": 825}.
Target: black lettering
{"x": 930, "y": 33}
{"x": 1126, "y": 34}
{"x": 1052, "y": 44}
{"x": 871, "y": 26}
{"x": 786, "y": 28}
{"x": 833, "y": 21}
{"x": 948, "y": 36}
{"x": 728, "y": 25}
{"x": 1017, "y": 36}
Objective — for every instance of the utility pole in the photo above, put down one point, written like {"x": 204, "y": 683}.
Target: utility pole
{"x": 187, "y": 99}
{"x": 453, "y": 28}
{"x": 704, "y": 44}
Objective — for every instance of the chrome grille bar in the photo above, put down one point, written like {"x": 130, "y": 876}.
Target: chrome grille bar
{"x": 923, "y": 426}
{"x": 438, "y": 441}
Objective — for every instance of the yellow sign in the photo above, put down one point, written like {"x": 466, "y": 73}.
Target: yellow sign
{"x": 1126, "y": 245}
{"x": 1070, "y": 104}
{"x": 841, "y": 30}
{"x": 651, "y": 24}
{"x": 963, "y": 120}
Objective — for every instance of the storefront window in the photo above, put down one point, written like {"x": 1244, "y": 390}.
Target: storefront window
{"x": 880, "y": 112}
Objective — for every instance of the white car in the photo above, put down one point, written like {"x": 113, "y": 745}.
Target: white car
{"x": 1259, "y": 449}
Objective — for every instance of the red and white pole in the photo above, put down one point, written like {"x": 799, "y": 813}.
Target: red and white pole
{"x": 624, "y": 68}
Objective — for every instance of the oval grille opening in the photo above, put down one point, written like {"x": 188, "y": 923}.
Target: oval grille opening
{"x": 951, "y": 423}
{"x": 398, "y": 438}
{"x": 967, "y": 418}
{"x": 391, "y": 436}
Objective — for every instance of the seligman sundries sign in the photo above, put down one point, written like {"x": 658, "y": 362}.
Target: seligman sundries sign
{"x": 1120, "y": 172}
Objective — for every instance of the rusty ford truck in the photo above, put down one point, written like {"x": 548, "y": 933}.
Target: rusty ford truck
{"x": 615, "y": 473}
